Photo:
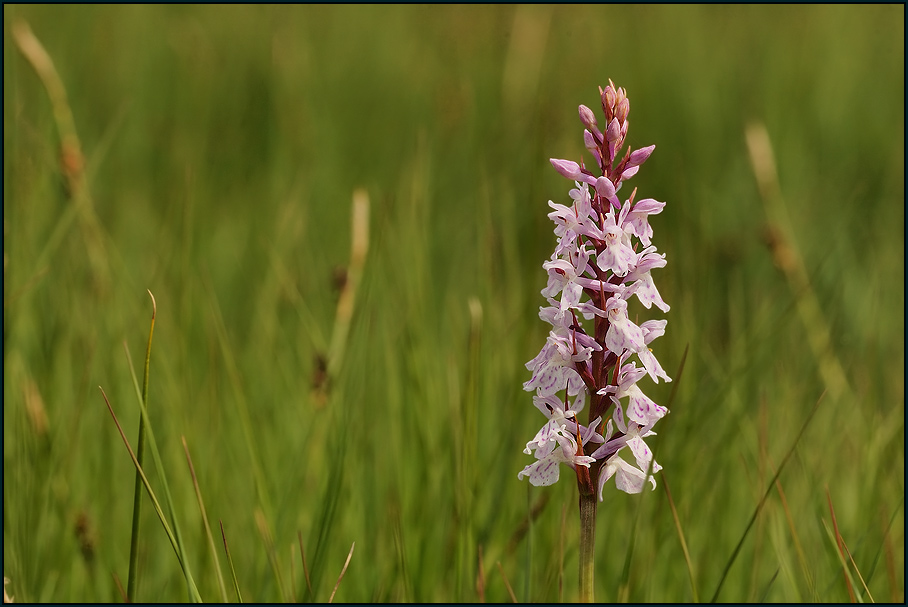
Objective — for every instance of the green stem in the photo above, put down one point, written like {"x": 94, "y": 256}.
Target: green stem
{"x": 136, "y": 515}
{"x": 132, "y": 582}
{"x": 588, "y": 505}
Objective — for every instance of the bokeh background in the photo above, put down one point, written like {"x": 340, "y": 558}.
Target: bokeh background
{"x": 222, "y": 147}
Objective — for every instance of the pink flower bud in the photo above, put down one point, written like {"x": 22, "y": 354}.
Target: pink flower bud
{"x": 614, "y": 131}
{"x": 567, "y": 168}
{"x": 605, "y": 187}
{"x": 623, "y": 110}
{"x": 571, "y": 170}
{"x": 638, "y": 157}
{"x": 589, "y": 141}
{"x": 587, "y": 117}
{"x": 608, "y": 100}
{"x": 622, "y": 95}
{"x": 629, "y": 172}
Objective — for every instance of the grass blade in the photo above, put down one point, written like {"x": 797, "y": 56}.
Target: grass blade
{"x": 839, "y": 542}
{"x": 236, "y": 584}
{"x": 330, "y": 500}
{"x": 771, "y": 484}
{"x": 507, "y": 584}
{"x": 690, "y": 567}
{"x": 766, "y": 590}
{"x": 198, "y": 495}
{"x": 159, "y": 467}
{"x": 343, "y": 571}
{"x": 857, "y": 571}
{"x": 299, "y": 536}
{"x": 132, "y": 580}
{"x": 268, "y": 539}
{"x": 849, "y": 582}
{"x": 842, "y": 548}
{"x": 797, "y": 543}
{"x": 154, "y": 501}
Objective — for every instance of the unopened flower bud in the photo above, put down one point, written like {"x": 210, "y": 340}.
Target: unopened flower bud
{"x": 592, "y": 143}
{"x": 571, "y": 170}
{"x": 608, "y": 101}
{"x": 606, "y": 189}
{"x": 622, "y": 95}
{"x": 629, "y": 172}
{"x": 589, "y": 141}
{"x": 614, "y": 131}
{"x": 567, "y": 168}
{"x": 587, "y": 117}
{"x": 624, "y": 108}
{"x": 638, "y": 157}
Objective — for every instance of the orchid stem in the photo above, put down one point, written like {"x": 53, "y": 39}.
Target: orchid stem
{"x": 588, "y": 505}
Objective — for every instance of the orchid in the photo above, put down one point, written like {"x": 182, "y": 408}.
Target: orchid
{"x": 603, "y": 258}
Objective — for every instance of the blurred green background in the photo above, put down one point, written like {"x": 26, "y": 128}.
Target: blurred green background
{"x": 222, "y": 147}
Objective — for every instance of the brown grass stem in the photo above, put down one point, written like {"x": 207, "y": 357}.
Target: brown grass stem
{"x": 343, "y": 571}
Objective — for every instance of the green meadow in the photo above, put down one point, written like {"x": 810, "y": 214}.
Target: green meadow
{"x": 350, "y": 375}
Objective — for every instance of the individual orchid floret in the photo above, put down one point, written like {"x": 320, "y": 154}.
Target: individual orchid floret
{"x": 553, "y": 315}
{"x": 653, "y": 329}
{"x": 653, "y": 368}
{"x": 573, "y": 222}
{"x": 546, "y": 470}
{"x": 549, "y": 404}
{"x": 622, "y": 333}
{"x": 562, "y": 423}
{"x": 548, "y": 435}
{"x": 627, "y": 478}
{"x": 583, "y": 203}
{"x": 638, "y": 219}
{"x": 644, "y": 287}
{"x": 618, "y": 256}
{"x": 554, "y": 366}
{"x": 563, "y": 279}
{"x": 641, "y": 409}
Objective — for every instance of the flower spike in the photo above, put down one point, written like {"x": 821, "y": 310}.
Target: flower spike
{"x": 603, "y": 258}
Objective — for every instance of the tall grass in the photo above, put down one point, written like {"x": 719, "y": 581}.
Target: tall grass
{"x": 223, "y": 146}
